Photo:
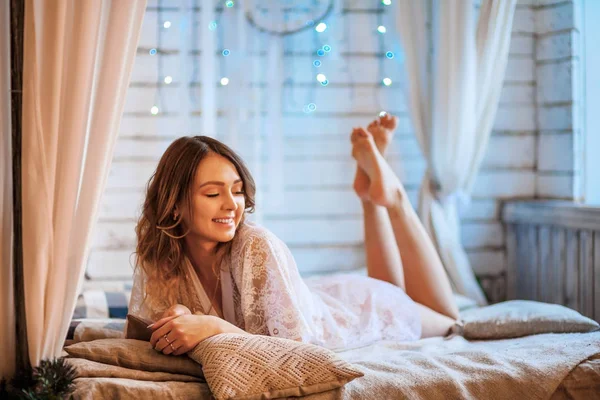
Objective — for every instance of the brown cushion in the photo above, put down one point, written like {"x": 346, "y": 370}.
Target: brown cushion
{"x": 134, "y": 354}
{"x": 238, "y": 366}
{"x": 137, "y": 328}
{"x": 516, "y": 318}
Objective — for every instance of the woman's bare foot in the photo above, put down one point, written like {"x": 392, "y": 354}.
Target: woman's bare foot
{"x": 384, "y": 188}
{"x": 361, "y": 180}
{"x": 382, "y": 130}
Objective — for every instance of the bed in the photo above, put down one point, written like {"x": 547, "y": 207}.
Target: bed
{"x": 434, "y": 368}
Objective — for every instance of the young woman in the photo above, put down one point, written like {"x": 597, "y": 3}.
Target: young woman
{"x": 202, "y": 269}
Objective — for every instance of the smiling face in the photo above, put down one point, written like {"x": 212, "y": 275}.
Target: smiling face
{"x": 217, "y": 202}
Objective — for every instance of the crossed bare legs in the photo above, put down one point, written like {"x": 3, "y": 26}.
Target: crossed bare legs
{"x": 398, "y": 248}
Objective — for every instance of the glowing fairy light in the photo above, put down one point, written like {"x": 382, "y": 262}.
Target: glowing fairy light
{"x": 321, "y": 27}
{"x": 321, "y": 77}
{"x": 309, "y": 108}
{"x": 167, "y": 24}
{"x": 154, "y": 110}
{"x": 387, "y": 81}
{"x": 224, "y": 81}
{"x": 386, "y": 2}
{"x": 168, "y": 79}
{"x": 381, "y": 29}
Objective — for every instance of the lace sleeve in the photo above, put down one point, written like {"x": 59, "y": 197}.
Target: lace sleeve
{"x": 137, "y": 305}
{"x": 274, "y": 299}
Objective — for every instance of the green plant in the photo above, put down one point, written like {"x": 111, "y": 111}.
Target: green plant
{"x": 51, "y": 380}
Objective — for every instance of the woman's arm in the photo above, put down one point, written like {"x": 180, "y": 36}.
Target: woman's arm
{"x": 177, "y": 309}
{"x": 186, "y": 331}
{"x": 222, "y": 326}
{"x": 219, "y": 325}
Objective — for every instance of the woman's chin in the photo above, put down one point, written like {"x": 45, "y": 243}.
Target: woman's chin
{"x": 226, "y": 237}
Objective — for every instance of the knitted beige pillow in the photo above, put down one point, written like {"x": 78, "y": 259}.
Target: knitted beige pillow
{"x": 238, "y": 366}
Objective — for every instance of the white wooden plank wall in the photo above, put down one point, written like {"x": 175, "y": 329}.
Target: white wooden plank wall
{"x": 322, "y": 220}
{"x": 557, "y": 69}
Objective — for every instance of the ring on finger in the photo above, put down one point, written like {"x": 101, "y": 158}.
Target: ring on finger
{"x": 167, "y": 339}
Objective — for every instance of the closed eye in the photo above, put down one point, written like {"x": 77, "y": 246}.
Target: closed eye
{"x": 216, "y": 194}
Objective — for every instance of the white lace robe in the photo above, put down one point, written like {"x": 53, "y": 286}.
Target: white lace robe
{"x": 263, "y": 293}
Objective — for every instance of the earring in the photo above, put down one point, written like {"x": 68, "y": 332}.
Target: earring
{"x": 175, "y": 217}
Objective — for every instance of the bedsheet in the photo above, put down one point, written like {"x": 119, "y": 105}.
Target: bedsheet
{"x": 549, "y": 366}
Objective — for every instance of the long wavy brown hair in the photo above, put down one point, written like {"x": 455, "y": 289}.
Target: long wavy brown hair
{"x": 160, "y": 246}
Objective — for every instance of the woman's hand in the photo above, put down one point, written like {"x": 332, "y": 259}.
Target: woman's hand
{"x": 176, "y": 310}
{"x": 177, "y": 335}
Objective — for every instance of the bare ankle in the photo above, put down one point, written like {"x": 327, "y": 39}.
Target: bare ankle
{"x": 401, "y": 203}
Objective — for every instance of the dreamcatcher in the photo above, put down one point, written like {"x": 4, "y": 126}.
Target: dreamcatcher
{"x": 275, "y": 19}
{"x": 286, "y": 17}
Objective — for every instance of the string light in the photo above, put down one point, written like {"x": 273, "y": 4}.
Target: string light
{"x": 321, "y": 27}
{"x": 321, "y": 78}
{"x": 309, "y": 108}
{"x": 159, "y": 32}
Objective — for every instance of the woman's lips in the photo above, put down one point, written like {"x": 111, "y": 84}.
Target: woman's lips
{"x": 224, "y": 221}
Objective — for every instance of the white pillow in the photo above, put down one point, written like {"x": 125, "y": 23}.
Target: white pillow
{"x": 518, "y": 318}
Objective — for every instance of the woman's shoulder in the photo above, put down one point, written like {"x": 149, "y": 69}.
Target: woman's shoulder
{"x": 252, "y": 239}
{"x": 250, "y": 232}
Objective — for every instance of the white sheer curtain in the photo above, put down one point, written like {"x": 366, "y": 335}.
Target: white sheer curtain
{"x": 78, "y": 57}
{"x": 455, "y": 70}
{"x": 7, "y": 305}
